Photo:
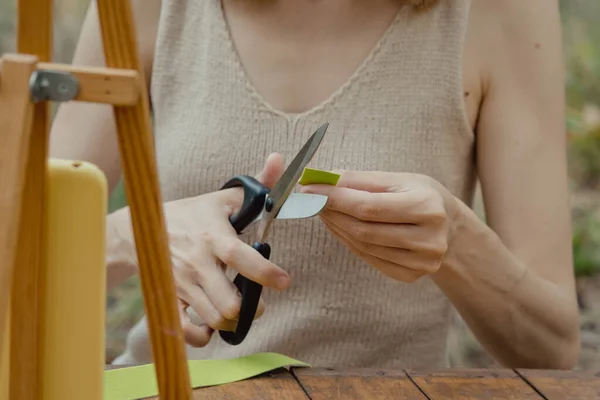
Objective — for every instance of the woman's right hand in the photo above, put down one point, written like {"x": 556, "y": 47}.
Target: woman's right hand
{"x": 202, "y": 241}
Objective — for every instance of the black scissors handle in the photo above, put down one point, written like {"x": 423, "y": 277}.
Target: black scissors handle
{"x": 255, "y": 194}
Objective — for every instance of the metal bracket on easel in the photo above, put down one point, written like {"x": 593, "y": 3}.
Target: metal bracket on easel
{"x": 53, "y": 86}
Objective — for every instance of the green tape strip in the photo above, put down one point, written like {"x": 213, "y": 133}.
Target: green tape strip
{"x": 316, "y": 176}
{"x": 140, "y": 381}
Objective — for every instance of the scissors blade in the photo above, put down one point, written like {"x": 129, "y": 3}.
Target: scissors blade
{"x": 282, "y": 189}
{"x": 302, "y": 205}
{"x": 299, "y": 206}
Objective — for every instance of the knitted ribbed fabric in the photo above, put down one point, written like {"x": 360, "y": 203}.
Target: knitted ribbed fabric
{"x": 402, "y": 110}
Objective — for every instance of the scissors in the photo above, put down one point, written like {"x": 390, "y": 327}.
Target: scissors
{"x": 263, "y": 205}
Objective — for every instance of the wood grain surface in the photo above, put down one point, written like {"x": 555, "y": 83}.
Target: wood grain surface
{"x": 26, "y": 302}
{"x": 322, "y": 384}
{"x": 102, "y": 85}
{"x": 563, "y": 385}
{"x": 370, "y": 384}
{"x": 279, "y": 385}
{"x": 145, "y": 205}
{"x": 473, "y": 384}
{"x": 16, "y": 112}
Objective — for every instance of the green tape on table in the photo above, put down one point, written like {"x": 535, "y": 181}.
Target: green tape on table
{"x": 140, "y": 381}
{"x": 312, "y": 176}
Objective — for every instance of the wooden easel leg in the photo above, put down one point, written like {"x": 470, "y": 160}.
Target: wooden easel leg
{"x": 5, "y": 362}
{"x": 16, "y": 111}
{"x": 143, "y": 194}
{"x": 26, "y": 307}
{"x": 27, "y": 291}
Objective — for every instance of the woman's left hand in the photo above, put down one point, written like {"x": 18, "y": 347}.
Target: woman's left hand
{"x": 400, "y": 223}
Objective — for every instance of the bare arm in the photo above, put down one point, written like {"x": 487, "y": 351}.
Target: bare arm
{"x": 86, "y": 131}
{"x": 513, "y": 281}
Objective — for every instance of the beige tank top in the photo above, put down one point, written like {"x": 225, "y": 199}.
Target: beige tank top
{"x": 402, "y": 110}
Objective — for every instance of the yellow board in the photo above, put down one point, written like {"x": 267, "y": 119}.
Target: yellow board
{"x": 75, "y": 282}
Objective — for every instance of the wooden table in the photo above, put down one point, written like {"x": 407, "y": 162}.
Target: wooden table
{"x": 372, "y": 384}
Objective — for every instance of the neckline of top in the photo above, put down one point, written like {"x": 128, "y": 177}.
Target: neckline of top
{"x": 334, "y": 96}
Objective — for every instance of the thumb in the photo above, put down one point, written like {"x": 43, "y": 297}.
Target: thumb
{"x": 272, "y": 170}
{"x": 270, "y": 174}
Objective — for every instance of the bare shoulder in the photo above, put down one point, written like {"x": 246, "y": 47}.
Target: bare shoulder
{"x": 514, "y": 55}
{"x": 145, "y": 18}
{"x": 86, "y": 131}
{"x": 515, "y": 36}
{"x": 517, "y": 17}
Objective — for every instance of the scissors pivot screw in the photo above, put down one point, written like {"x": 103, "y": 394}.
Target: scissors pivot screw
{"x": 269, "y": 204}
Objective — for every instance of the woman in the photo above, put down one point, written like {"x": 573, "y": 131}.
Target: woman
{"x": 421, "y": 97}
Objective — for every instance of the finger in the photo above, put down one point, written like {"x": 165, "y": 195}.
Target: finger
{"x": 411, "y": 237}
{"x": 389, "y": 269}
{"x": 373, "y": 181}
{"x": 189, "y": 277}
{"x": 225, "y": 296}
{"x": 272, "y": 170}
{"x": 268, "y": 176}
{"x": 370, "y": 181}
{"x": 248, "y": 262}
{"x": 409, "y": 259}
{"x": 408, "y": 207}
{"x": 212, "y": 296}
{"x": 195, "y": 335}
{"x": 217, "y": 290}
{"x": 198, "y": 300}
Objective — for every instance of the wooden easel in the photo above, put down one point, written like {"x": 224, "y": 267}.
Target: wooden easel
{"x": 28, "y": 81}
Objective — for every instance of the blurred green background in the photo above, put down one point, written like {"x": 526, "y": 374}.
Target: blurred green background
{"x": 582, "y": 59}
